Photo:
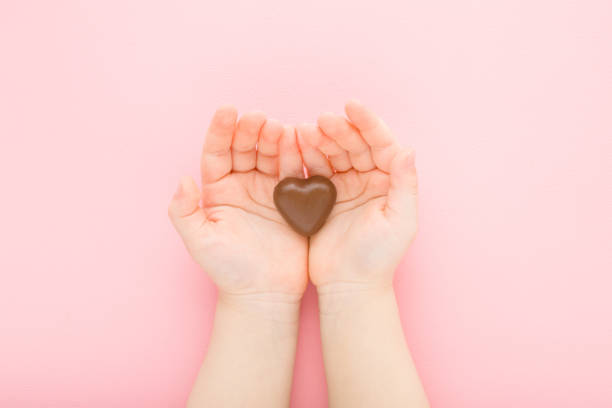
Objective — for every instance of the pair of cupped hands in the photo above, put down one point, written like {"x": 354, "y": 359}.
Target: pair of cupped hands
{"x": 234, "y": 232}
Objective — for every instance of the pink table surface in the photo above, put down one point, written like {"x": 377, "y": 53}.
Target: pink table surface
{"x": 505, "y": 295}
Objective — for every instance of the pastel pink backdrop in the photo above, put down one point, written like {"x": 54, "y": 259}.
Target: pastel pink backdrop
{"x": 505, "y": 295}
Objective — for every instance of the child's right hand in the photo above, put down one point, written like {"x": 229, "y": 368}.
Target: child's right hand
{"x": 237, "y": 235}
{"x": 352, "y": 259}
{"x": 374, "y": 219}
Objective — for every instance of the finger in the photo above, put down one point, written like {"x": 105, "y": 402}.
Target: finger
{"x": 401, "y": 204}
{"x": 289, "y": 159}
{"x": 314, "y": 160}
{"x": 375, "y": 132}
{"x": 267, "y": 147}
{"x": 216, "y": 156}
{"x": 348, "y": 137}
{"x": 184, "y": 209}
{"x": 337, "y": 156}
{"x": 244, "y": 155}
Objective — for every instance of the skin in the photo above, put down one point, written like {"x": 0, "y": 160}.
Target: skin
{"x": 234, "y": 232}
{"x": 232, "y": 229}
{"x": 352, "y": 259}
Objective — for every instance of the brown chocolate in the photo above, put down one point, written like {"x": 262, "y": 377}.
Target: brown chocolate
{"x": 305, "y": 203}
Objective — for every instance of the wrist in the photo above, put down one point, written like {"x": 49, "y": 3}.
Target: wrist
{"x": 345, "y": 298}
{"x": 269, "y": 308}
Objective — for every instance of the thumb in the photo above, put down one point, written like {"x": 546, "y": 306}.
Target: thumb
{"x": 401, "y": 204}
{"x": 184, "y": 209}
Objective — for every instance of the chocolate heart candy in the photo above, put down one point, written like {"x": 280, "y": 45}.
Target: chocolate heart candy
{"x": 305, "y": 203}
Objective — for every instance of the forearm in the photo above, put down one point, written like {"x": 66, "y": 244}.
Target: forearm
{"x": 367, "y": 361}
{"x": 250, "y": 356}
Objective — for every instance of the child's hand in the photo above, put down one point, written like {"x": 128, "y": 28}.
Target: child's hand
{"x": 353, "y": 257}
{"x": 374, "y": 218}
{"x": 237, "y": 235}
{"x": 260, "y": 265}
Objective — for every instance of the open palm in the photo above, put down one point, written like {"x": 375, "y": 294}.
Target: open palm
{"x": 374, "y": 218}
{"x": 236, "y": 234}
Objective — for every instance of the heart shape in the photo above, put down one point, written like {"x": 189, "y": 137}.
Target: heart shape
{"x": 305, "y": 203}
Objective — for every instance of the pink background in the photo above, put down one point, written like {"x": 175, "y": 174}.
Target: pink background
{"x": 506, "y": 293}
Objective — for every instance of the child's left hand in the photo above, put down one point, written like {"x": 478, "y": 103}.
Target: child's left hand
{"x": 236, "y": 234}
